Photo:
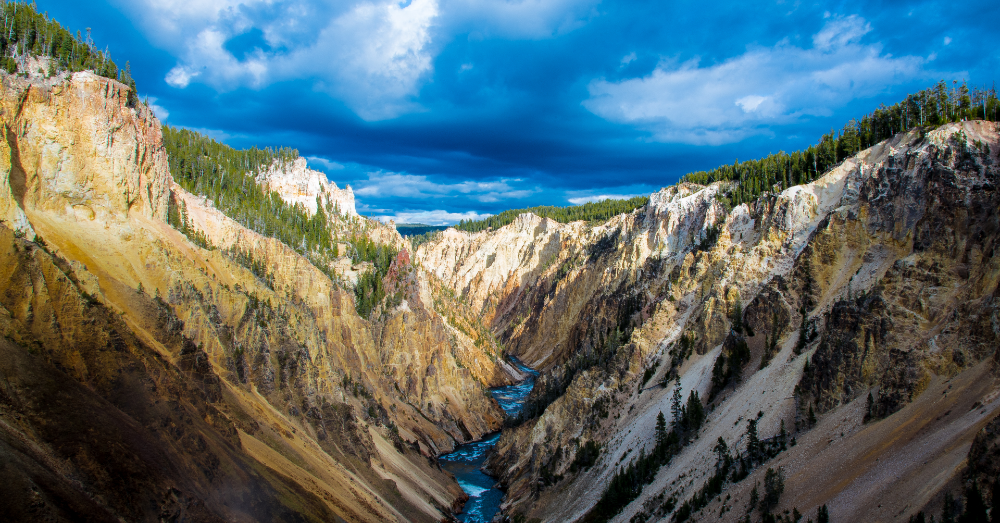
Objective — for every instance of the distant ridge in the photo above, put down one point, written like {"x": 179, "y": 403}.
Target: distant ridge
{"x": 592, "y": 211}
{"x": 926, "y": 110}
{"x": 416, "y": 229}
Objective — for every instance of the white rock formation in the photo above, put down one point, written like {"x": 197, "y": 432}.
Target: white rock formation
{"x": 297, "y": 183}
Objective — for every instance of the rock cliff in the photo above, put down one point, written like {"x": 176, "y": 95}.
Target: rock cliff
{"x": 149, "y": 378}
{"x": 859, "y": 312}
{"x": 296, "y": 183}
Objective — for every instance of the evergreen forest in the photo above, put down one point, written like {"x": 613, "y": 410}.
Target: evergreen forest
{"x": 924, "y": 110}
{"x": 750, "y": 179}
{"x": 26, "y": 32}
{"x": 228, "y": 177}
{"x": 594, "y": 212}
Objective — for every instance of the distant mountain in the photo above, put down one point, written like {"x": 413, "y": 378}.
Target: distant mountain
{"x": 416, "y": 229}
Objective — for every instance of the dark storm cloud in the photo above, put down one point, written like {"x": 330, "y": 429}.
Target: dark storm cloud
{"x": 439, "y": 110}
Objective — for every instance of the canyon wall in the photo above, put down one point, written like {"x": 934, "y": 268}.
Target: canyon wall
{"x": 884, "y": 267}
{"x": 853, "y": 319}
{"x": 147, "y": 377}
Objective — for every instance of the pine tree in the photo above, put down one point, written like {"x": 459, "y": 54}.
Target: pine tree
{"x": 661, "y": 432}
{"x": 737, "y": 317}
{"x": 774, "y": 486}
{"x": 951, "y": 509}
{"x": 975, "y": 507}
{"x": 127, "y": 79}
{"x": 870, "y": 409}
{"x": 694, "y": 412}
{"x": 753, "y": 442}
{"x": 675, "y": 409}
{"x": 722, "y": 455}
{"x": 822, "y": 515}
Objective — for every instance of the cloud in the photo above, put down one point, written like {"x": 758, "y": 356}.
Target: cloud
{"x": 750, "y": 103}
{"x": 947, "y": 40}
{"x": 388, "y": 184}
{"x": 840, "y": 32}
{"x": 739, "y": 97}
{"x": 328, "y": 165}
{"x": 180, "y": 77}
{"x": 374, "y": 55}
{"x": 157, "y": 109}
{"x": 435, "y": 217}
{"x": 517, "y": 19}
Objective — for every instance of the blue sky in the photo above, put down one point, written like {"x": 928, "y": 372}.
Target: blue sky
{"x": 438, "y": 110}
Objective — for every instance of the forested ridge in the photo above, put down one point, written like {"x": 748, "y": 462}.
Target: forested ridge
{"x": 26, "y": 32}
{"x": 592, "y": 211}
{"x": 924, "y": 110}
{"x": 204, "y": 166}
{"x": 228, "y": 177}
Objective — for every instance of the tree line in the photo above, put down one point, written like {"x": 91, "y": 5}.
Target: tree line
{"x": 926, "y": 109}
{"x": 228, "y": 177}
{"x": 593, "y": 211}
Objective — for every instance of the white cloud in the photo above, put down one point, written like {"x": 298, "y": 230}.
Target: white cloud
{"x": 750, "y": 103}
{"x": 739, "y": 97}
{"x": 629, "y": 58}
{"x": 600, "y": 197}
{"x": 841, "y": 32}
{"x": 388, "y": 184}
{"x": 157, "y": 109}
{"x": 329, "y": 165}
{"x": 947, "y": 40}
{"x": 180, "y": 77}
{"x": 436, "y": 217}
{"x": 374, "y": 55}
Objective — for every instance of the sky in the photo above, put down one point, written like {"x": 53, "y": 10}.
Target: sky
{"x": 435, "y": 111}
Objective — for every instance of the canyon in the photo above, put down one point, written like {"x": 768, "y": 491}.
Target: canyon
{"x": 148, "y": 377}
{"x": 855, "y": 315}
{"x": 852, "y": 321}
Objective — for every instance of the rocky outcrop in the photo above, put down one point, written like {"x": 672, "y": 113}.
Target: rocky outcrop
{"x": 296, "y": 183}
{"x": 883, "y": 267}
{"x": 231, "y": 394}
{"x": 117, "y": 165}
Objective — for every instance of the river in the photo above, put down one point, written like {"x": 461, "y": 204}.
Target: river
{"x": 466, "y": 460}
